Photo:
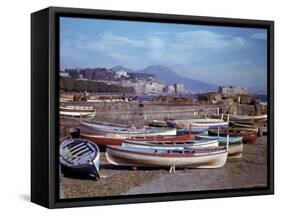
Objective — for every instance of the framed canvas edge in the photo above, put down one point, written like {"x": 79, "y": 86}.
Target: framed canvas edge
{"x": 53, "y": 79}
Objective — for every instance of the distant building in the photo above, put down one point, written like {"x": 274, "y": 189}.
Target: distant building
{"x": 209, "y": 98}
{"x": 141, "y": 76}
{"x": 154, "y": 86}
{"x": 139, "y": 86}
{"x": 179, "y": 88}
{"x": 169, "y": 89}
{"x": 121, "y": 74}
{"x": 232, "y": 90}
{"x": 81, "y": 77}
{"x": 64, "y": 74}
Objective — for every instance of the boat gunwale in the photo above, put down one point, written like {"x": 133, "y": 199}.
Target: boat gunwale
{"x": 167, "y": 155}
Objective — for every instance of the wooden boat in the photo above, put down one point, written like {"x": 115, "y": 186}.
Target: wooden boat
{"x": 198, "y": 125}
{"x": 232, "y": 132}
{"x": 127, "y": 132}
{"x": 243, "y": 119}
{"x": 66, "y": 98}
{"x": 104, "y": 140}
{"x": 235, "y": 148}
{"x": 156, "y": 123}
{"x": 171, "y": 145}
{"x": 80, "y": 156}
{"x": 186, "y": 158}
{"x": 78, "y": 111}
{"x": 220, "y": 139}
{"x": 259, "y": 128}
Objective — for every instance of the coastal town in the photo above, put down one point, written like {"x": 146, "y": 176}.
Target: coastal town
{"x": 132, "y": 82}
{"x": 107, "y": 112}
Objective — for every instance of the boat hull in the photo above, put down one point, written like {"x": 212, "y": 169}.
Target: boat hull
{"x": 168, "y": 145}
{"x": 126, "y": 132}
{"x": 124, "y": 157}
{"x": 235, "y": 150}
{"x": 105, "y": 140}
{"x": 80, "y": 157}
{"x": 221, "y": 139}
{"x": 77, "y": 114}
{"x": 86, "y": 169}
{"x": 247, "y": 137}
{"x": 198, "y": 126}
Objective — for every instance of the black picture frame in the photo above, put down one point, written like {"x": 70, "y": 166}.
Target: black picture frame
{"x": 45, "y": 104}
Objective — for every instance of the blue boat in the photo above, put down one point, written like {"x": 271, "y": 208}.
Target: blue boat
{"x": 222, "y": 140}
{"x": 80, "y": 157}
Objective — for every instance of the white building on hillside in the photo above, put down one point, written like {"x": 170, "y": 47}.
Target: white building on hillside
{"x": 170, "y": 89}
{"x": 179, "y": 88}
{"x": 121, "y": 73}
{"x": 232, "y": 90}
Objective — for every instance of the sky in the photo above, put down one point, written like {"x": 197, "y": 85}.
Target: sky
{"x": 213, "y": 54}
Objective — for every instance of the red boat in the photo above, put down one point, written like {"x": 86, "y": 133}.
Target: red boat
{"x": 117, "y": 140}
{"x": 247, "y": 136}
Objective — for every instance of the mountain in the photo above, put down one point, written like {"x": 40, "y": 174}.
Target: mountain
{"x": 168, "y": 76}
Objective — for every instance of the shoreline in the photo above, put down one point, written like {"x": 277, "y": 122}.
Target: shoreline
{"x": 245, "y": 172}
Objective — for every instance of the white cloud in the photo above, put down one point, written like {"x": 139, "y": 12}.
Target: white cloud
{"x": 203, "y": 39}
{"x": 259, "y": 36}
{"x": 116, "y": 40}
{"x": 158, "y": 47}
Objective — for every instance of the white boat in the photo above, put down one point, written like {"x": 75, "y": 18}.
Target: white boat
{"x": 186, "y": 158}
{"x": 78, "y": 111}
{"x": 198, "y": 125}
{"x": 125, "y": 132}
{"x": 235, "y": 148}
{"x": 220, "y": 139}
{"x": 243, "y": 119}
{"x": 80, "y": 156}
{"x": 170, "y": 145}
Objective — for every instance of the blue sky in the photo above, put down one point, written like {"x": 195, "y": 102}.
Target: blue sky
{"x": 217, "y": 55}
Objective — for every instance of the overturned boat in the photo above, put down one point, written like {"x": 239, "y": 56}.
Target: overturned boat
{"x": 183, "y": 158}
{"x": 80, "y": 156}
{"x": 93, "y": 128}
{"x": 78, "y": 111}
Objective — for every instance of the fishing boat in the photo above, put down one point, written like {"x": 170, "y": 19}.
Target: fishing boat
{"x": 247, "y": 136}
{"x": 78, "y": 111}
{"x": 184, "y": 158}
{"x": 66, "y": 98}
{"x": 235, "y": 148}
{"x": 93, "y": 128}
{"x": 104, "y": 140}
{"x": 171, "y": 145}
{"x": 198, "y": 125}
{"x": 220, "y": 139}
{"x": 80, "y": 156}
{"x": 157, "y": 123}
{"x": 243, "y": 119}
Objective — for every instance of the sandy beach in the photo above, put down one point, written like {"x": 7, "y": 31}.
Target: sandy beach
{"x": 247, "y": 172}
